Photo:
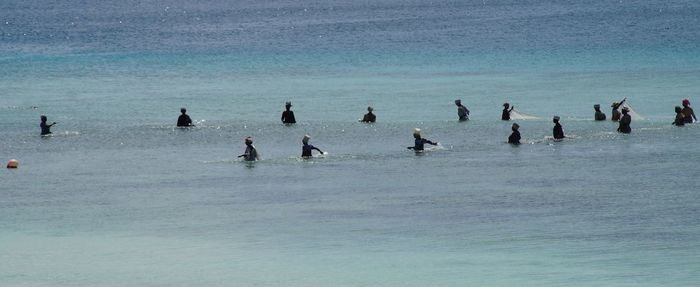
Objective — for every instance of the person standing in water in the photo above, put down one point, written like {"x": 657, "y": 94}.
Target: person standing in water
{"x": 306, "y": 149}
{"x": 514, "y": 137}
{"x": 288, "y": 115}
{"x": 625, "y": 122}
{"x": 184, "y": 120}
{"x": 599, "y": 115}
{"x": 557, "y": 131}
{"x": 615, "y": 113}
{"x": 462, "y": 111}
{"x": 45, "y": 128}
{"x": 680, "y": 117}
{"x": 506, "y": 112}
{"x": 369, "y": 116}
{"x": 420, "y": 142}
{"x": 688, "y": 112}
{"x": 250, "y": 154}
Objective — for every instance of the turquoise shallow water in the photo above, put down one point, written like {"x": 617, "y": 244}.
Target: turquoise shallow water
{"x": 118, "y": 196}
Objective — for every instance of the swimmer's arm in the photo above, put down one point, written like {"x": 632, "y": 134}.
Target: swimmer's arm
{"x": 620, "y": 103}
{"x": 318, "y": 150}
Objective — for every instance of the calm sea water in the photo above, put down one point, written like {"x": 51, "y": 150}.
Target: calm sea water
{"x": 118, "y": 196}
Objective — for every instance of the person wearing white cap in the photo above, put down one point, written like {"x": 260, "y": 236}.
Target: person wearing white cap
{"x": 369, "y": 116}
{"x": 250, "y": 154}
{"x": 514, "y": 137}
{"x": 420, "y": 141}
{"x": 306, "y": 149}
{"x": 558, "y": 131}
{"x": 462, "y": 111}
{"x": 288, "y": 115}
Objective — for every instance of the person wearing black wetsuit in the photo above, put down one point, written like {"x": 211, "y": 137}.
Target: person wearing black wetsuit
{"x": 288, "y": 115}
{"x": 599, "y": 115}
{"x": 615, "y": 113}
{"x": 680, "y": 117}
{"x": 688, "y": 112}
{"x": 184, "y": 120}
{"x": 557, "y": 131}
{"x": 514, "y": 137}
{"x": 506, "y": 112}
{"x": 306, "y": 149}
{"x": 45, "y": 128}
{"x": 369, "y": 116}
{"x": 625, "y": 122}
{"x": 462, "y": 111}
{"x": 420, "y": 142}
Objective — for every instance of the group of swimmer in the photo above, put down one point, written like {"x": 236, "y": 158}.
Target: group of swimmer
{"x": 684, "y": 115}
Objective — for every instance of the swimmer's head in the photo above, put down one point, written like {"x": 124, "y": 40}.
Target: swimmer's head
{"x": 416, "y": 133}
{"x": 679, "y": 109}
{"x": 458, "y": 102}
{"x": 13, "y": 163}
{"x": 614, "y": 104}
{"x": 555, "y": 119}
{"x": 506, "y": 105}
{"x": 625, "y": 110}
{"x": 596, "y": 107}
{"x": 305, "y": 140}
{"x": 369, "y": 109}
{"x": 515, "y": 127}
{"x": 43, "y": 118}
{"x": 183, "y": 110}
{"x": 249, "y": 140}
{"x": 686, "y": 103}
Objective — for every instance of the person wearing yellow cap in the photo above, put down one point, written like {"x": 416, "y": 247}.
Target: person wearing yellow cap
{"x": 420, "y": 142}
{"x": 250, "y": 154}
{"x": 306, "y": 149}
{"x": 615, "y": 113}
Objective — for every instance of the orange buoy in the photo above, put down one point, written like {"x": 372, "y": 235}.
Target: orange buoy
{"x": 13, "y": 163}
